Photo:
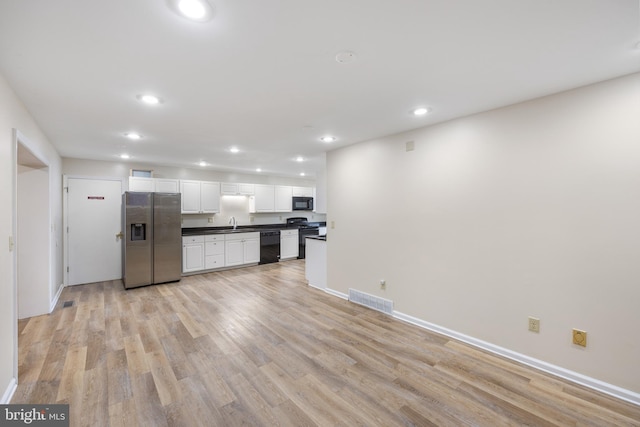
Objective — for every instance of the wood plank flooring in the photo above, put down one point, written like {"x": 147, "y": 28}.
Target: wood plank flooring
{"x": 257, "y": 347}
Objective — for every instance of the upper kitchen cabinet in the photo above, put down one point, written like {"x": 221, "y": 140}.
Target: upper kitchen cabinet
{"x": 231, "y": 189}
{"x": 200, "y": 197}
{"x": 320, "y": 194}
{"x": 302, "y": 191}
{"x": 158, "y": 185}
{"x": 263, "y": 199}
{"x": 283, "y": 202}
{"x": 138, "y": 183}
{"x": 163, "y": 185}
{"x": 271, "y": 198}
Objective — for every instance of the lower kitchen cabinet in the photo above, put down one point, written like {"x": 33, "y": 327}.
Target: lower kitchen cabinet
{"x": 288, "y": 244}
{"x": 241, "y": 248}
{"x": 213, "y": 251}
{"x": 192, "y": 253}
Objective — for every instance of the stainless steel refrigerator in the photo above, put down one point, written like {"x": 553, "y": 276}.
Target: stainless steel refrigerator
{"x": 152, "y": 250}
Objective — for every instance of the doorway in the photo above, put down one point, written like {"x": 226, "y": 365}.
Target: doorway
{"x": 32, "y": 236}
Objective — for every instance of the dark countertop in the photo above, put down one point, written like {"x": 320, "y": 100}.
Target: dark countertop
{"x": 323, "y": 238}
{"x": 197, "y": 231}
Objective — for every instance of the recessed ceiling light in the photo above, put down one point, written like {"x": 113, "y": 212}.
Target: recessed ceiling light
{"x": 203, "y": 163}
{"x": 421, "y": 111}
{"x": 258, "y": 170}
{"x": 133, "y": 135}
{"x": 195, "y": 10}
{"x": 299, "y": 159}
{"x": 328, "y": 138}
{"x": 125, "y": 156}
{"x": 149, "y": 99}
{"x": 302, "y": 173}
{"x": 234, "y": 150}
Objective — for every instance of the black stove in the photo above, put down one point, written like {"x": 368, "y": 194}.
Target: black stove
{"x": 305, "y": 228}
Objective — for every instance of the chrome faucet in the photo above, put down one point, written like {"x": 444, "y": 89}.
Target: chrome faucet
{"x": 232, "y": 221}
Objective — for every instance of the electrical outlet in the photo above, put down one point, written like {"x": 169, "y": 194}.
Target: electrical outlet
{"x": 383, "y": 284}
{"x": 251, "y": 219}
{"x": 580, "y": 337}
{"x": 210, "y": 220}
{"x": 333, "y": 224}
{"x": 534, "y": 324}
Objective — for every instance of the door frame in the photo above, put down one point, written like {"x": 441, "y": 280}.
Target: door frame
{"x": 19, "y": 139}
{"x": 13, "y": 246}
{"x": 65, "y": 213}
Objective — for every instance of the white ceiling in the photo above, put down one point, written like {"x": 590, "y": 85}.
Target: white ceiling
{"x": 262, "y": 75}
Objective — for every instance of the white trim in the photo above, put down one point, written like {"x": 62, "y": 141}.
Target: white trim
{"x": 56, "y": 298}
{"x": 8, "y": 393}
{"x": 337, "y": 294}
{"x": 14, "y": 231}
{"x": 601, "y": 386}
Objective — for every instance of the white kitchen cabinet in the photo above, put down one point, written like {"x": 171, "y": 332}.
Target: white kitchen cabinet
{"x": 230, "y": 188}
{"x": 190, "y": 196}
{"x": 302, "y": 191}
{"x": 252, "y": 249}
{"x": 200, "y": 196}
{"x": 241, "y": 248}
{"x": 139, "y": 183}
{"x": 246, "y": 189}
{"x": 159, "y": 185}
{"x": 320, "y": 194}
{"x": 288, "y": 244}
{"x": 283, "y": 198}
{"x": 210, "y": 197}
{"x": 263, "y": 199}
{"x": 192, "y": 253}
{"x": 164, "y": 185}
{"x": 213, "y": 251}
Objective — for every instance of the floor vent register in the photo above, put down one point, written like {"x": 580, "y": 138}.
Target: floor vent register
{"x": 371, "y": 301}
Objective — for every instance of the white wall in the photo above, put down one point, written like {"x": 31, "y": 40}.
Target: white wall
{"x": 34, "y": 294}
{"x": 13, "y": 115}
{"x": 529, "y": 210}
{"x": 236, "y": 206}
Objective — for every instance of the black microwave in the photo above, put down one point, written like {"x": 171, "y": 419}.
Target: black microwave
{"x": 302, "y": 203}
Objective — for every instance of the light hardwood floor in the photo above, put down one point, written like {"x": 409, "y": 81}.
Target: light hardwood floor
{"x": 257, "y": 346}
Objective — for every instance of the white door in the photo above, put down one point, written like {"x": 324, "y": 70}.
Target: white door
{"x": 94, "y": 221}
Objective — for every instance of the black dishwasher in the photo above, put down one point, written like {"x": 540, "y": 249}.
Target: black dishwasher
{"x": 269, "y": 246}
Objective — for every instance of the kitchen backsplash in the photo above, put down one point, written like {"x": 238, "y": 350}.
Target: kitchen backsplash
{"x": 238, "y": 207}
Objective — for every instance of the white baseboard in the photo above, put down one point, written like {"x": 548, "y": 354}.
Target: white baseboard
{"x": 8, "y": 393}
{"x": 56, "y": 298}
{"x": 610, "y": 389}
{"x": 336, "y": 293}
